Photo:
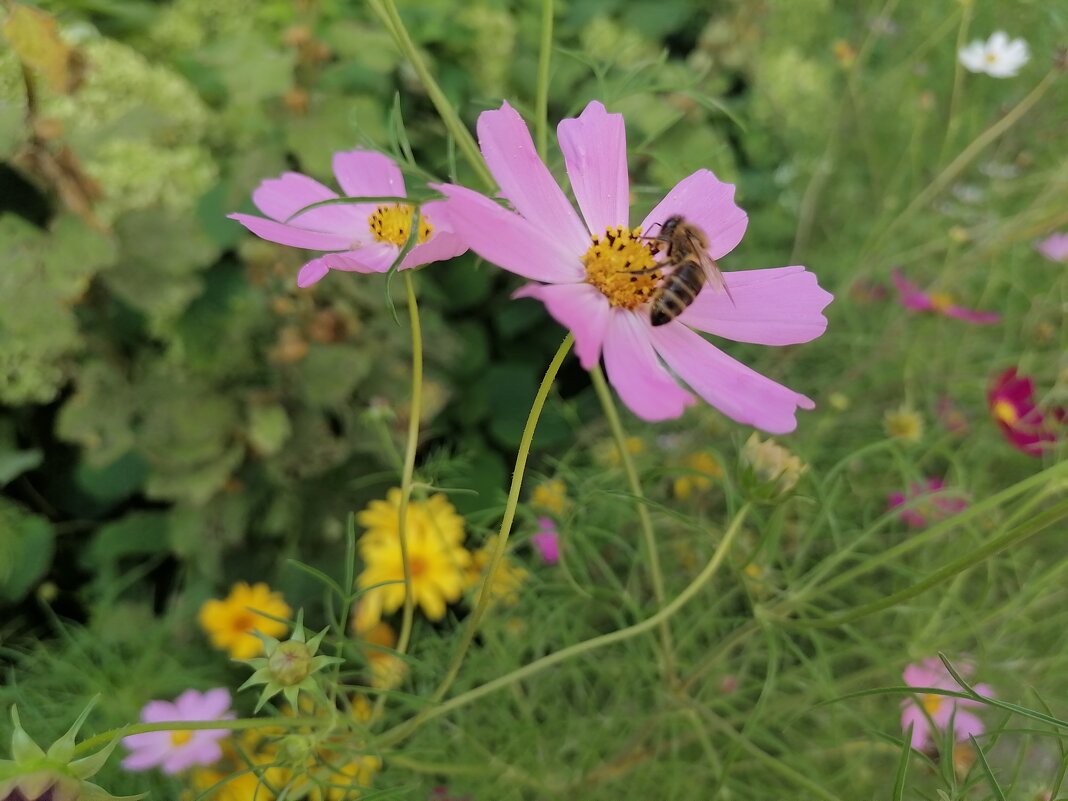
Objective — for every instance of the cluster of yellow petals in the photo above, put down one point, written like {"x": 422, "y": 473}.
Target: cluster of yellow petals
{"x": 392, "y": 223}
{"x": 772, "y": 463}
{"x": 701, "y": 470}
{"x": 506, "y": 581}
{"x": 229, "y": 622}
{"x": 620, "y": 264}
{"x": 550, "y": 496}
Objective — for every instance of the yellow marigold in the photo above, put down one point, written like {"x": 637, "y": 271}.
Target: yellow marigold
{"x": 436, "y": 565}
{"x": 432, "y": 519}
{"x": 904, "y": 423}
{"x": 506, "y": 581}
{"x": 702, "y": 468}
{"x": 551, "y": 496}
{"x": 230, "y": 622}
{"x": 772, "y": 463}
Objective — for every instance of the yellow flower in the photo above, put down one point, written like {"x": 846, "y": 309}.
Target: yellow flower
{"x": 772, "y": 463}
{"x": 702, "y": 469}
{"x": 606, "y": 452}
{"x": 387, "y": 669}
{"x": 904, "y": 423}
{"x": 436, "y": 566}
{"x": 432, "y": 519}
{"x": 551, "y": 496}
{"x": 506, "y": 581}
{"x": 343, "y": 782}
{"x": 229, "y": 622}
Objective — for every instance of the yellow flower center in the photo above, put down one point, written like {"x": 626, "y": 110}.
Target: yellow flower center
{"x": 991, "y": 58}
{"x": 1005, "y": 412}
{"x": 181, "y": 737}
{"x": 616, "y": 264}
{"x": 932, "y": 703}
{"x": 243, "y": 621}
{"x": 417, "y": 566}
{"x": 393, "y": 223}
{"x": 941, "y": 301}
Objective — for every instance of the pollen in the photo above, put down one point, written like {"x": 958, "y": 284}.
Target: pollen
{"x": 621, "y": 265}
{"x": 940, "y": 301}
{"x": 932, "y": 703}
{"x": 1006, "y": 412}
{"x": 393, "y": 223}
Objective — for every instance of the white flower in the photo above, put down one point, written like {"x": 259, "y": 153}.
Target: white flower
{"x": 997, "y": 56}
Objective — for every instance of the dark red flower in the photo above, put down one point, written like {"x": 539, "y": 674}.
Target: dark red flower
{"x": 1012, "y": 403}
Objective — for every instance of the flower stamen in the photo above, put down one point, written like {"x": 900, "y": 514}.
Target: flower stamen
{"x": 392, "y": 223}
{"x": 621, "y": 265}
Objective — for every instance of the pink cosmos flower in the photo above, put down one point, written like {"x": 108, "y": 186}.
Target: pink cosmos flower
{"x": 1055, "y": 247}
{"x": 914, "y": 298}
{"x": 595, "y": 274}
{"x": 547, "y": 541}
{"x": 941, "y": 708}
{"x": 922, "y": 509}
{"x": 367, "y": 236}
{"x": 175, "y": 751}
{"x": 1011, "y": 399}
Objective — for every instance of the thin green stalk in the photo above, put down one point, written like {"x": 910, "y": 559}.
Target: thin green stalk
{"x": 484, "y": 590}
{"x": 604, "y": 394}
{"x": 958, "y": 81}
{"x": 1011, "y": 537}
{"x": 105, "y": 737}
{"x": 404, "y": 730}
{"x": 387, "y": 12}
{"x": 414, "y": 413}
{"x": 541, "y": 95}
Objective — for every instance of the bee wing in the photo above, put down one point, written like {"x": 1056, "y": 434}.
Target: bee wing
{"x": 712, "y": 271}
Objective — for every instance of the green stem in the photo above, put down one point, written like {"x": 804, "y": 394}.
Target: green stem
{"x": 105, "y": 737}
{"x": 1008, "y": 539}
{"x": 387, "y": 12}
{"x": 484, "y": 591}
{"x": 414, "y": 413}
{"x": 404, "y": 730}
{"x": 541, "y": 95}
{"x": 604, "y": 394}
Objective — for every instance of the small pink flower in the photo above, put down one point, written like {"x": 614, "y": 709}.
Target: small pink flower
{"x": 1011, "y": 399}
{"x": 940, "y": 708}
{"x": 595, "y": 273}
{"x": 1055, "y": 247}
{"x": 912, "y": 297}
{"x": 547, "y": 541}
{"x": 367, "y": 236}
{"x": 926, "y": 503}
{"x": 174, "y": 751}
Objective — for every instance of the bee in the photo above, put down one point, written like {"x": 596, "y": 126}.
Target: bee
{"x": 691, "y": 267}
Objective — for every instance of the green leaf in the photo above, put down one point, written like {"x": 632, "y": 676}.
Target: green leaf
{"x": 268, "y": 428}
{"x": 27, "y": 543}
{"x": 15, "y": 463}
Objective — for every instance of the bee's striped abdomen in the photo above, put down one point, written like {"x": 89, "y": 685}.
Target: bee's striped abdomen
{"x": 677, "y": 292}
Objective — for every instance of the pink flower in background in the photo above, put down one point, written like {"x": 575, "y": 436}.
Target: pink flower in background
{"x": 1054, "y": 247}
{"x": 941, "y": 709}
{"x": 595, "y": 274}
{"x": 926, "y": 503}
{"x": 174, "y": 751}
{"x": 912, "y": 297}
{"x": 547, "y": 541}
{"x": 368, "y": 237}
{"x": 1011, "y": 399}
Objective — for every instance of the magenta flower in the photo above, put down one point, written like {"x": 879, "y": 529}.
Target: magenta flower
{"x": 596, "y": 274}
{"x": 1055, "y": 247}
{"x": 914, "y": 298}
{"x": 1011, "y": 399}
{"x": 547, "y": 541}
{"x": 926, "y": 503}
{"x": 174, "y": 751}
{"x": 941, "y": 709}
{"x": 368, "y": 237}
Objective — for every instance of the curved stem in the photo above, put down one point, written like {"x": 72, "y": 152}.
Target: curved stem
{"x": 506, "y": 523}
{"x": 541, "y": 95}
{"x": 403, "y": 730}
{"x": 105, "y": 737}
{"x": 604, "y": 394}
{"x": 387, "y": 12}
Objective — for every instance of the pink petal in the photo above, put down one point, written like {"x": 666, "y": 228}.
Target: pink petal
{"x": 149, "y": 739}
{"x": 293, "y": 236}
{"x": 280, "y": 198}
{"x": 911, "y": 296}
{"x": 966, "y": 725}
{"x": 213, "y": 704}
{"x": 312, "y": 272}
{"x": 509, "y": 240}
{"x": 365, "y": 173}
{"x": 912, "y": 715}
{"x": 779, "y": 306}
{"x": 195, "y": 752}
{"x": 158, "y": 712}
{"x": 977, "y": 317}
{"x": 440, "y": 247}
{"x": 707, "y": 202}
{"x": 595, "y": 155}
{"x": 636, "y": 373}
{"x": 376, "y": 258}
{"x": 1054, "y": 247}
{"x": 580, "y": 308}
{"x": 739, "y": 392}
{"x": 150, "y": 756}
{"x": 524, "y": 179}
